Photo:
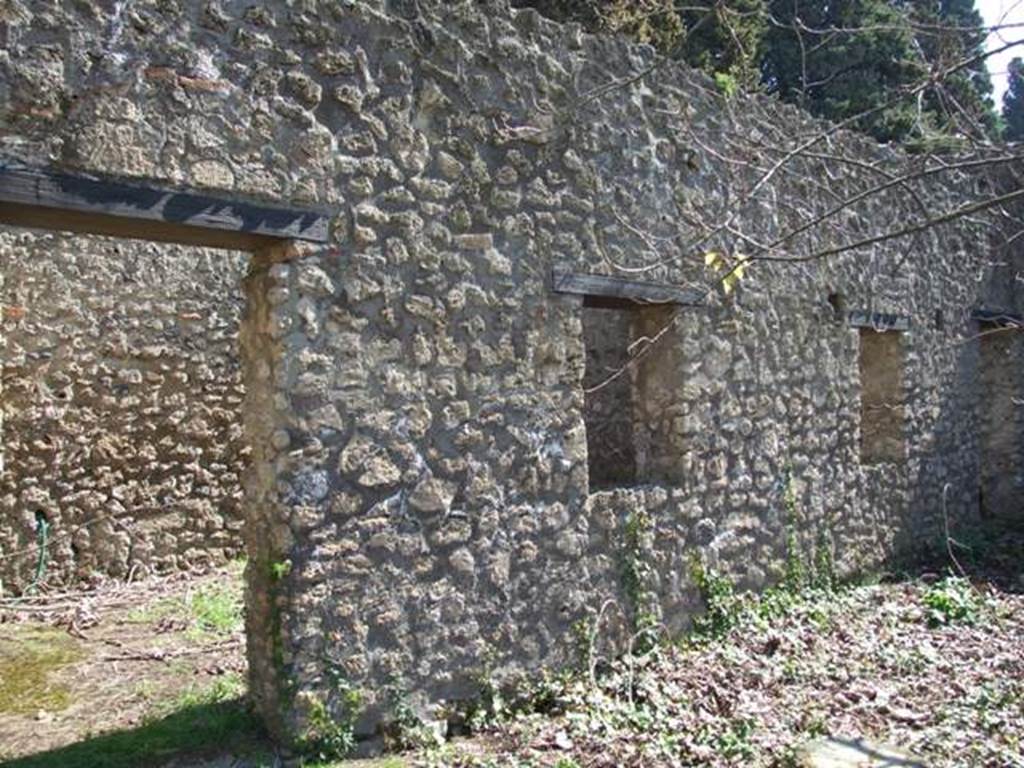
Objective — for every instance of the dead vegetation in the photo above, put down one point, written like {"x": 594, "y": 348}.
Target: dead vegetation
{"x": 927, "y": 664}
{"x": 152, "y": 673}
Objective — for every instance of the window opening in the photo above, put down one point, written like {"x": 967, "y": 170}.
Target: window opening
{"x": 997, "y": 421}
{"x": 882, "y": 406}
{"x": 627, "y": 395}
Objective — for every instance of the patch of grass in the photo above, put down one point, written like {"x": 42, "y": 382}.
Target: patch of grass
{"x": 200, "y": 720}
{"x": 155, "y": 611}
{"x": 216, "y": 609}
{"x": 27, "y": 663}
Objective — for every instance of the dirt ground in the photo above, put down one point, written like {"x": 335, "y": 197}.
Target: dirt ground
{"x": 80, "y": 664}
{"x": 153, "y": 674}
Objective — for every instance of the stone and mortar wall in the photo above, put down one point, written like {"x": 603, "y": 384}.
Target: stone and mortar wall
{"x": 419, "y": 511}
{"x": 122, "y": 398}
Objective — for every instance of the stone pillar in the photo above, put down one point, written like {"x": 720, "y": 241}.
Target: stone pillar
{"x": 296, "y": 359}
{"x": 267, "y": 416}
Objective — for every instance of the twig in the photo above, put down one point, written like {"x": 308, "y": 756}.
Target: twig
{"x": 161, "y": 655}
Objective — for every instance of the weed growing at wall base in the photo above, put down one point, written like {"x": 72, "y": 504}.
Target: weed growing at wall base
{"x": 637, "y": 576}
{"x": 951, "y": 601}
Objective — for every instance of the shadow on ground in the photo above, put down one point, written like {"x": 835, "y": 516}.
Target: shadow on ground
{"x": 190, "y": 731}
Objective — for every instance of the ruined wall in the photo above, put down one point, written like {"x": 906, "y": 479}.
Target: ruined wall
{"x": 419, "y": 505}
{"x": 122, "y": 398}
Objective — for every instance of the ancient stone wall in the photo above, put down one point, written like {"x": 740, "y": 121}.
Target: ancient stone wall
{"x": 419, "y": 507}
{"x": 122, "y": 397}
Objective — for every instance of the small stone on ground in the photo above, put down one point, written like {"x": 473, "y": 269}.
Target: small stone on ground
{"x": 838, "y": 752}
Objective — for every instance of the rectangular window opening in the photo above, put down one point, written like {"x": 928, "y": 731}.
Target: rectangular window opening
{"x": 882, "y": 402}
{"x": 625, "y": 393}
{"x": 998, "y": 422}
{"x": 608, "y": 398}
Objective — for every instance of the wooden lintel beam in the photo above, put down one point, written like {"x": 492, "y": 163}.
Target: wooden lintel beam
{"x": 879, "y": 321}
{"x": 997, "y": 318}
{"x": 86, "y": 203}
{"x": 604, "y": 291}
{"x": 38, "y": 217}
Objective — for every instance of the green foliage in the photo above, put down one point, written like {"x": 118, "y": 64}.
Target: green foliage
{"x": 216, "y": 609}
{"x": 726, "y": 41}
{"x": 636, "y": 579}
{"x": 584, "y": 635}
{"x": 330, "y": 732}
{"x": 824, "y": 574}
{"x": 328, "y": 738}
{"x": 722, "y": 607}
{"x": 804, "y": 580}
{"x": 1013, "y": 102}
{"x": 835, "y": 59}
{"x": 500, "y": 702}
{"x": 29, "y": 661}
{"x": 279, "y": 569}
{"x": 734, "y": 741}
{"x": 849, "y": 73}
{"x": 723, "y": 38}
{"x": 213, "y": 610}
{"x": 726, "y": 84}
{"x": 406, "y": 730}
{"x": 947, "y": 33}
{"x": 951, "y": 601}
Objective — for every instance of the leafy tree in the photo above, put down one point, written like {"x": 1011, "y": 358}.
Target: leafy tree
{"x": 835, "y": 58}
{"x": 1013, "y": 103}
{"x": 728, "y": 40}
{"x": 843, "y": 58}
{"x": 722, "y": 38}
{"x": 948, "y": 32}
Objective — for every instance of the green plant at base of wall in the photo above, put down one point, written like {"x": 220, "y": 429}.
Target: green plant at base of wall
{"x": 405, "y": 729}
{"x": 637, "y": 575}
{"x": 722, "y": 607}
{"x": 795, "y": 574}
{"x": 331, "y": 732}
{"x": 951, "y": 601}
{"x": 326, "y": 738}
{"x": 584, "y": 635}
{"x": 824, "y": 575}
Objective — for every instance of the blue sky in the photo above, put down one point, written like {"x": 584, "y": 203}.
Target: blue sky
{"x": 1002, "y": 12}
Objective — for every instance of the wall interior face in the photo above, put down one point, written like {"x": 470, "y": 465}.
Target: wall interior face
{"x": 417, "y": 503}
{"x": 882, "y": 422}
{"x": 609, "y": 411}
{"x": 122, "y": 398}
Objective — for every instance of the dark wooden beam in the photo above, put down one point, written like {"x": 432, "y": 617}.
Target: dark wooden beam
{"x": 880, "y": 321}
{"x": 619, "y": 293}
{"x": 997, "y": 318}
{"x": 37, "y": 197}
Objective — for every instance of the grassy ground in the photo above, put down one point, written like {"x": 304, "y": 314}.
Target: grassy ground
{"x": 153, "y": 675}
{"x": 125, "y": 675}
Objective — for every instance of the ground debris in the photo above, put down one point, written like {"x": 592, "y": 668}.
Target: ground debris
{"x": 867, "y": 665}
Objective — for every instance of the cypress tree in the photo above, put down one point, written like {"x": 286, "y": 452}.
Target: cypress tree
{"x": 1013, "y": 102}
